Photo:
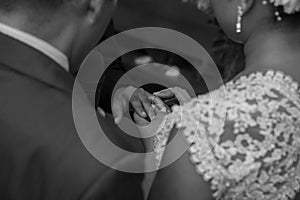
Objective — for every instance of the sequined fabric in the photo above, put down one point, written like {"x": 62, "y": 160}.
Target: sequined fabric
{"x": 244, "y": 137}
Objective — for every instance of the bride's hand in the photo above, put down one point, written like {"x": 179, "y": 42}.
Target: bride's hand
{"x": 142, "y": 122}
{"x": 181, "y": 95}
{"x": 149, "y": 129}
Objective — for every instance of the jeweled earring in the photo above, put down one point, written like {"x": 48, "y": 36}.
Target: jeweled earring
{"x": 277, "y": 15}
{"x": 240, "y": 13}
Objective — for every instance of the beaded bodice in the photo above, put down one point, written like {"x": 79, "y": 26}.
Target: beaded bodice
{"x": 244, "y": 137}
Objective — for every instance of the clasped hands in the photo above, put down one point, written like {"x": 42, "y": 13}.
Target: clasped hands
{"x": 146, "y": 106}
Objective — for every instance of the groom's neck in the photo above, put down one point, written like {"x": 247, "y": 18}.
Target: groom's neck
{"x": 54, "y": 30}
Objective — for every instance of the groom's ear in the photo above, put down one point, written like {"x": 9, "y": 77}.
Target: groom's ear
{"x": 94, "y": 8}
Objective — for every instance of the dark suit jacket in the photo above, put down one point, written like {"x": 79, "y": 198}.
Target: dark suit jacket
{"x": 41, "y": 155}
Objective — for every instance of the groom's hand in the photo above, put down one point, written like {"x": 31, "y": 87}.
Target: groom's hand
{"x": 140, "y": 100}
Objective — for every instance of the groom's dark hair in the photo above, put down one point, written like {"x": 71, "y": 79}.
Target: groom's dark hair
{"x": 10, "y": 5}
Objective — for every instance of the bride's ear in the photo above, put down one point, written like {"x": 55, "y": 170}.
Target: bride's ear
{"x": 94, "y": 9}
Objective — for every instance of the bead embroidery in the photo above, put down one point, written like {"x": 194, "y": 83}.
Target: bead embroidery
{"x": 251, "y": 151}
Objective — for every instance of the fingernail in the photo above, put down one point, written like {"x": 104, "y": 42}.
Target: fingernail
{"x": 101, "y": 112}
{"x": 152, "y": 117}
{"x": 117, "y": 120}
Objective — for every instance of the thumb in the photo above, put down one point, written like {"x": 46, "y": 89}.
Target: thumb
{"x": 101, "y": 112}
{"x": 118, "y": 115}
{"x": 117, "y": 111}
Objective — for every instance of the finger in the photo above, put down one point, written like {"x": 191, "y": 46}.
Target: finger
{"x": 145, "y": 99}
{"x": 139, "y": 120}
{"x": 118, "y": 115}
{"x": 101, "y": 112}
{"x": 159, "y": 104}
{"x": 167, "y": 93}
{"x": 118, "y": 109}
{"x": 157, "y": 110}
{"x": 137, "y": 106}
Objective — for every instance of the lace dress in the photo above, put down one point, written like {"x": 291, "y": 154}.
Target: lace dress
{"x": 244, "y": 137}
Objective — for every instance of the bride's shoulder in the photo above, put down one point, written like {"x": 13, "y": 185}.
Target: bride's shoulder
{"x": 248, "y": 92}
{"x": 251, "y": 88}
{"x": 270, "y": 89}
{"x": 272, "y": 80}
{"x": 270, "y": 94}
{"x": 247, "y": 139}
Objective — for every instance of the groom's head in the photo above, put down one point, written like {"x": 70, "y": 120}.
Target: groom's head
{"x": 73, "y": 26}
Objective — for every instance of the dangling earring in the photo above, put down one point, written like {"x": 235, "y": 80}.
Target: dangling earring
{"x": 277, "y": 15}
{"x": 240, "y": 13}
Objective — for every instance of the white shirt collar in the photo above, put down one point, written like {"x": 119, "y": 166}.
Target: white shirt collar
{"x": 36, "y": 43}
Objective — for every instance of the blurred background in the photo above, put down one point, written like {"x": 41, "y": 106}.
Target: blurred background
{"x": 187, "y": 19}
{"x": 173, "y": 14}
